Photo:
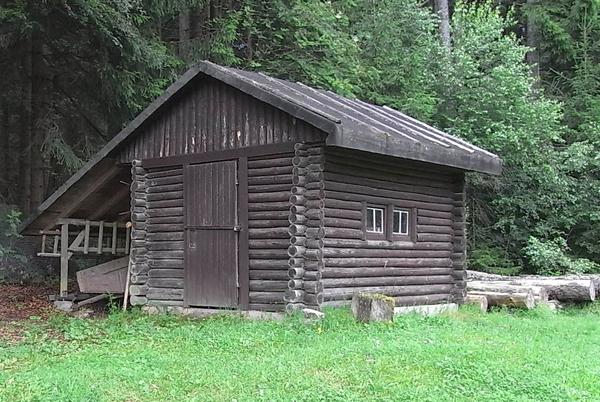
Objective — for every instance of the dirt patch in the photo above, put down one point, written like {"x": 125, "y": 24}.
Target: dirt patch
{"x": 20, "y": 302}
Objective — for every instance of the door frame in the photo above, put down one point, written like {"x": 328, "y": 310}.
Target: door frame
{"x": 243, "y": 288}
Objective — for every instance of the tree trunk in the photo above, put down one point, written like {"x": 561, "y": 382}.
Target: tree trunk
{"x": 40, "y": 92}
{"x": 5, "y": 137}
{"x": 184, "y": 35}
{"x": 442, "y": 10}
{"x": 533, "y": 39}
{"x": 25, "y": 130}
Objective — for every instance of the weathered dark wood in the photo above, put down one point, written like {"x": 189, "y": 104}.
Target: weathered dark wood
{"x": 266, "y": 307}
{"x": 269, "y": 197}
{"x": 388, "y": 262}
{"x": 269, "y": 233}
{"x": 165, "y": 220}
{"x": 392, "y": 253}
{"x": 269, "y": 187}
{"x": 244, "y": 235}
{"x": 266, "y": 297}
{"x": 173, "y": 283}
{"x": 268, "y": 223}
{"x": 166, "y": 272}
{"x": 262, "y": 215}
{"x": 269, "y": 206}
{"x": 257, "y": 263}
{"x": 386, "y": 281}
{"x": 374, "y": 199}
{"x": 269, "y": 243}
{"x": 277, "y": 275}
{"x": 351, "y": 272}
{"x": 270, "y": 162}
{"x": 211, "y": 263}
{"x": 409, "y": 290}
{"x": 269, "y": 254}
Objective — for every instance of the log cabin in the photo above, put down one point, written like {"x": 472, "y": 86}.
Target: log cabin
{"x": 248, "y": 192}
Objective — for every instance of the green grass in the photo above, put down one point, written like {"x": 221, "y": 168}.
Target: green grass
{"x": 500, "y": 356}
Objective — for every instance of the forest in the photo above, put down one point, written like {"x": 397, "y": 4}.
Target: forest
{"x": 520, "y": 78}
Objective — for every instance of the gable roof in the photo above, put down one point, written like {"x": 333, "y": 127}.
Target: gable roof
{"x": 349, "y": 123}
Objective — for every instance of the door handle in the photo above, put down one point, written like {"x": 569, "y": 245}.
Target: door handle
{"x": 237, "y": 228}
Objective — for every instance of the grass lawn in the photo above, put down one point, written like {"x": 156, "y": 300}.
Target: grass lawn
{"x": 499, "y": 356}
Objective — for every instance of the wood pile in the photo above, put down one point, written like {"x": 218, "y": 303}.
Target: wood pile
{"x": 529, "y": 291}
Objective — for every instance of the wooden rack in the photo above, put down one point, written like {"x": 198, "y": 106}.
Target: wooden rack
{"x": 83, "y": 236}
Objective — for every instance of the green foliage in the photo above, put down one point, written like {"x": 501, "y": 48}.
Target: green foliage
{"x": 303, "y": 40}
{"x": 551, "y": 258}
{"x": 10, "y": 219}
{"x": 492, "y": 260}
{"x": 465, "y": 356}
{"x": 400, "y": 54}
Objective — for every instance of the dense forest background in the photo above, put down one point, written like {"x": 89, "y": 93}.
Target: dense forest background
{"x": 520, "y": 78}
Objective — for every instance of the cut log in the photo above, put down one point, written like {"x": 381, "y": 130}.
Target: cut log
{"x": 564, "y": 290}
{"x": 539, "y": 293}
{"x": 477, "y": 300}
{"x": 484, "y": 276}
{"x": 520, "y": 300}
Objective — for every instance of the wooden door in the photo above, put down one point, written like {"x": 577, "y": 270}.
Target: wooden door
{"x": 211, "y": 216}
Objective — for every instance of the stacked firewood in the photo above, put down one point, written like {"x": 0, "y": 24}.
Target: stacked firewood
{"x": 528, "y": 291}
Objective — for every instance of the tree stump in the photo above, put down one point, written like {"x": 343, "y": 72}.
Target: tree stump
{"x": 372, "y": 307}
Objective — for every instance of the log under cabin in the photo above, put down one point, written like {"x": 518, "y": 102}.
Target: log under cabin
{"x": 253, "y": 193}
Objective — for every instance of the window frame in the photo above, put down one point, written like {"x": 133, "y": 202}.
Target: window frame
{"x": 375, "y": 235}
{"x": 410, "y": 227}
{"x": 388, "y": 223}
{"x": 400, "y": 211}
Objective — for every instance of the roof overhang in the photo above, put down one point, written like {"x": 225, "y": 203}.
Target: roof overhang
{"x": 383, "y": 143}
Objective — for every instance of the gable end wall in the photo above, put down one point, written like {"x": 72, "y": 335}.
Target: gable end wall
{"x": 209, "y": 116}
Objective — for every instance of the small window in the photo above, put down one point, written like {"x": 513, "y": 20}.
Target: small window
{"x": 400, "y": 223}
{"x": 374, "y": 220}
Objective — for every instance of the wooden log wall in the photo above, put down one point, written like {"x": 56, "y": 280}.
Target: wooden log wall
{"x": 165, "y": 236}
{"x": 421, "y": 271}
{"x": 209, "y": 115}
{"x": 459, "y": 241}
{"x": 269, "y": 184}
{"x": 305, "y": 252}
{"x": 139, "y": 255}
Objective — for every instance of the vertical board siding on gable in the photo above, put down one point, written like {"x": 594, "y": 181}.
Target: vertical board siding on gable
{"x": 210, "y": 116}
{"x": 269, "y": 190}
{"x": 165, "y": 236}
{"x": 419, "y": 272}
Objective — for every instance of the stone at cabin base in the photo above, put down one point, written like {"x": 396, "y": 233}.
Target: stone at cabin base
{"x": 372, "y": 307}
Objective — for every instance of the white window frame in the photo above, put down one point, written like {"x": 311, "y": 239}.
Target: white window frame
{"x": 400, "y": 213}
{"x": 371, "y": 210}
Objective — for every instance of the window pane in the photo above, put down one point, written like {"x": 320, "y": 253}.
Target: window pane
{"x": 404, "y": 222}
{"x": 374, "y": 220}
{"x": 396, "y": 222}
{"x": 400, "y": 222}
{"x": 379, "y": 220}
{"x": 370, "y": 225}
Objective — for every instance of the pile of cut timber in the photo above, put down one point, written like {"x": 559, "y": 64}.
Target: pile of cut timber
{"x": 529, "y": 291}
